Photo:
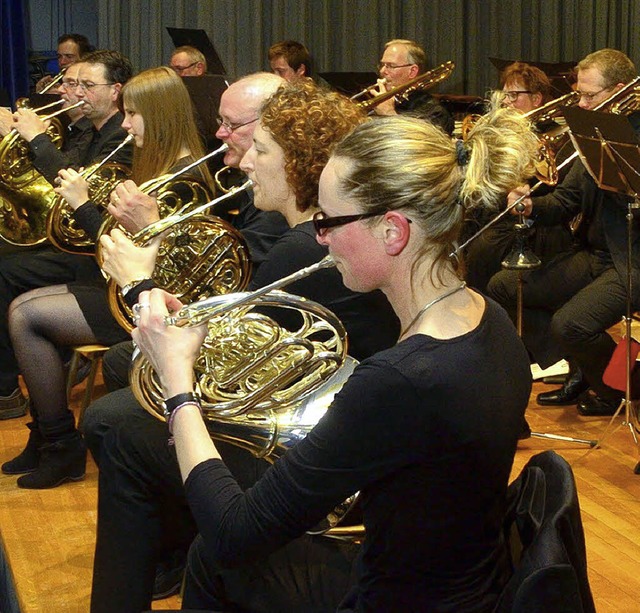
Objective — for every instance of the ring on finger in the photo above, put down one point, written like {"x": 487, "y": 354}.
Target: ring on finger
{"x": 138, "y": 307}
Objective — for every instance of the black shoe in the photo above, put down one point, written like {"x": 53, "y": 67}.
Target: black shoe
{"x": 13, "y": 405}
{"x": 569, "y": 393}
{"x": 594, "y": 406}
{"x": 60, "y": 461}
{"x": 169, "y": 576}
{"x": 27, "y": 461}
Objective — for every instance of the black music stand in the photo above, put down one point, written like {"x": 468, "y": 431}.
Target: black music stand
{"x": 609, "y": 150}
{"x": 349, "y": 83}
{"x": 560, "y": 73}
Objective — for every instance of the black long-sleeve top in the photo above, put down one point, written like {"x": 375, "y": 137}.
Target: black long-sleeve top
{"x": 426, "y": 431}
{"x": 90, "y": 148}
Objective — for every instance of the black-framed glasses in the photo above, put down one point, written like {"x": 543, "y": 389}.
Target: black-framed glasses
{"x": 590, "y": 97}
{"x": 231, "y": 127}
{"x": 389, "y": 66}
{"x": 513, "y": 94}
{"x": 181, "y": 69}
{"x": 87, "y": 86}
{"x": 322, "y": 223}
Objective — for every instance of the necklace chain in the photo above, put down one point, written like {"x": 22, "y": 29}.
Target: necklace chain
{"x": 427, "y": 306}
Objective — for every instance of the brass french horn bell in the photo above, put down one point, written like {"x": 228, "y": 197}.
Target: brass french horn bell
{"x": 200, "y": 255}
{"x": 263, "y": 386}
{"x": 25, "y": 195}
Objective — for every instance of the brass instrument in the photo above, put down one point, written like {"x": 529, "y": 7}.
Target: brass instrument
{"x": 167, "y": 188}
{"x": 623, "y": 102}
{"x": 422, "y": 82}
{"x": 101, "y": 177}
{"x": 25, "y": 195}
{"x": 200, "y": 255}
{"x": 552, "y": 140}
{"x": 366, "y": 90}
{"x": 263, "y": 386}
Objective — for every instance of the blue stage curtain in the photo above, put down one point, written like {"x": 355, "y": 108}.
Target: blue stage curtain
{"x": 14, "y": 68}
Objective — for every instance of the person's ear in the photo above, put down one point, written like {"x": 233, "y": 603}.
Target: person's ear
{"x": 396, "y": 232}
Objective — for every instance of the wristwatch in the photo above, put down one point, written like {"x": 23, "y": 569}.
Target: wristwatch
{"x": 171, "y": 404}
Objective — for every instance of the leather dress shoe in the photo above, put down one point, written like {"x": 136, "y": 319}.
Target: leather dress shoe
{"x": 569, "y": 393}
{"x": 594, "y": 406}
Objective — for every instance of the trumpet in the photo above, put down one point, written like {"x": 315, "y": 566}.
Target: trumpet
{"x": 102, "y": 178}
{"x": 200, "y": 255}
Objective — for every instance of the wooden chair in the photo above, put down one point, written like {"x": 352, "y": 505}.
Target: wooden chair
{"x": 94, "y": 354}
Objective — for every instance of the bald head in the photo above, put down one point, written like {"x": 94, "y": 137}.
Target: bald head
{"x": 240, "y": 106}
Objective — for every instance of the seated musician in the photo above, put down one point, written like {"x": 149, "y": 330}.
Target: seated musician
{"x": 291, "y": 144}
{"x": 290, "y": 60}
{"x": 101, "y": 76}
{"x": 524, "y": 88}
{"x": 159, "y": 115}
{"x": 392, "y": 228}
{"x": 71, "y": 47}
{"x": 188, "y": 61}
{"x": 571, "y": 302}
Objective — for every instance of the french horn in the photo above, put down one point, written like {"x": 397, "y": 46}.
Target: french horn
{"x": 200, "y": 255}
{"x": 25, "y": 195}
{"x": 101, "y": 177}
{"x": 268, "y": 370}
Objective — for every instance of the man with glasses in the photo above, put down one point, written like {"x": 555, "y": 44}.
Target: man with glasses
{"x": 100, "y": 78}
{"x": 572, "y": 301}
{"x": 188, "y": 61}
{"x": 402, "y": 61}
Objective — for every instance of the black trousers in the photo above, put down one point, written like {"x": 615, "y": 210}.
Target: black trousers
{"x": 142, "y": 511}
{"x": 568, "y": 306}
{"x": 21, "y": 272}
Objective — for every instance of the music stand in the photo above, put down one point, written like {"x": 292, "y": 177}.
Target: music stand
{"x": 609, "y": 150}
{"x": 349, "y": 83}
{"x": 560, "y": 73}
{"x": 201, "y": 41}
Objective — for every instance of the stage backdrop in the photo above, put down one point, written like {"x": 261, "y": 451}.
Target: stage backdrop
{"x": 348, "y": 35}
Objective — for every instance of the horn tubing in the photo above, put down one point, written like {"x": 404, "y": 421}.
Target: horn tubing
{"x": 182, "y": 318}
{"x": 158, "y": 227}
{"x": 366, "y": 89}
{"x": 126, "y": 141}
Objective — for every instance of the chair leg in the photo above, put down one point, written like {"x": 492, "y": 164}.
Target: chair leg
{"x": 73, "y": 370}
{"x": 88, "y": 392}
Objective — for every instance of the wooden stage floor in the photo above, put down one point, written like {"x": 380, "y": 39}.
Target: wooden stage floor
{"x": 49, "y": 535}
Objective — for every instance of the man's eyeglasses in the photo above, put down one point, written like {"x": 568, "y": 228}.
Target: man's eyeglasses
{"x": 513, "y": 95}
{"x": 388, "y": 66}
{"x": 87, "y": 86}
{"x": 69, "y": 83}
{"x": 231, "y": 127}
{"x": 322, "y": 223}
{"x": 181, "y": 69}
{"x": 590, "y": 97}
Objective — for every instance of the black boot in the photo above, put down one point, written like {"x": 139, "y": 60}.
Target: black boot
{"x": 573, "y": 388}
{"x": 60, "y": 461}
{"x": 27, "y": 461}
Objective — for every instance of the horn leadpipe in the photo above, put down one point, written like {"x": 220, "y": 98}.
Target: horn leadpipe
{"x": 212, "y": 305}
{"x": 53, "y": 82}
{"x": 222, "y": 149}
{"x": 126, "y": 141}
